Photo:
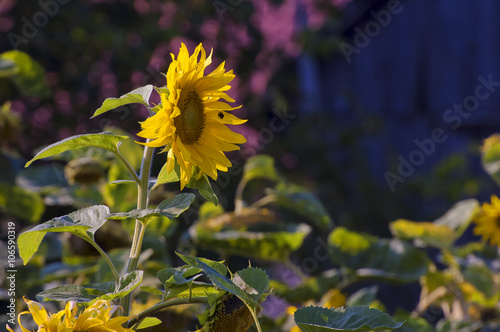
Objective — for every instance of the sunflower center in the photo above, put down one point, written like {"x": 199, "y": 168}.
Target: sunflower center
{"x": 191, "y": 121}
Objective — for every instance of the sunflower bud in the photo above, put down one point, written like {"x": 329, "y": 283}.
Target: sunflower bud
{"x": 232, "y": 315}
{"x": 83, "y": 171}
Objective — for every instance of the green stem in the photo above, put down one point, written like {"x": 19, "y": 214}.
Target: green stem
{"x": 254, "y": 315}
{"x": 108, "y": 261}
{"x": 140, "y": 228}
{"x": 163, "y": 305}
{"x": 238, "y": 201}
{"x": 129, "y": 167}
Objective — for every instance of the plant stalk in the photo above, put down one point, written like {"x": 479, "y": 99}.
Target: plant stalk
{"x": 108, "y": 261}
{"x": 140, "y": 228}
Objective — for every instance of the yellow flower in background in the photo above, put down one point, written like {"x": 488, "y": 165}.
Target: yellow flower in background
{"x": 488, "y": 221}
{"x": 95, "y": 318}
{"x": 191, "y": 121}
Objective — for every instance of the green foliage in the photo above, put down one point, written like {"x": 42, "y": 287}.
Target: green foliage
{"x": 196, "y": 182}
{"x": 359, "y": 318}
{"x": 491, "y": 157}
{"x": 140, "y": 95}
{"x": 149, "y": 322}
{"x": 21, "y": 203}
{"x": 169, "y": 208}
{"x": 82, "y": 223}
{"x": 260, "y": 167}
{"x": 105, "y": 140}
{"x": 389, "y": 260}
{"x": 26, "y": 74}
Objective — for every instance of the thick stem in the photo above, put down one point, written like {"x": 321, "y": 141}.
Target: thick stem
{"x": 142, "y": 203}
{"x": 163, "y": 305}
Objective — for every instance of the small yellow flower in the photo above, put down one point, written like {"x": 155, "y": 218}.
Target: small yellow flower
{"x": 191, "y": 120}
{"x": 95, "y": 318}
{"x": 488, "y": 221}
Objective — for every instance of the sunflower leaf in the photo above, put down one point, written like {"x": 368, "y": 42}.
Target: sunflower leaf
{"x": 21, "y": 203}
{"x": 358, "y": 318}
{"x": 260, "y": 166}
{"x": 138, "y": 96}
{"x": 82, "y": 223}
{"x": 105, "y": 140}
{"x": 170, "y": 208}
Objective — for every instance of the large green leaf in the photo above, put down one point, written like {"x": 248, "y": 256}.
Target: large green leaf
{"x": 359, "y": 318}
{"x": 389, "y": 260}
{"x": 138, "y": 96}
{"x": 260, "y": 166}
{"x": 201, "y": 183}
{"x": 82, "y": 223}
{"x": 271, "y": 246}
{"x": 304, "y": 203}
{"x": 218, "y": 279}
{"x": 170, "y": 208}
{"x": 26, "y": 74}
{"x": 21, "y": 203}
{"x": 105, "y": 140}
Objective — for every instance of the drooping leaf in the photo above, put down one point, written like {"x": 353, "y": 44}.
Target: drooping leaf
{"x": 389, "y": 260}
{"x": 77, "y": 293}
{"x": 260, "y": 166}
{"x": 21, "y": 203}
{"x": 82, "y": 223}
{"x": 359, "y": 318}
{"x": 304, "y": 203}
{"x": 170, "y": 208}
{"x": 270, "y": 246}
{"x": 217, "y": 278}
{"x": 26, "y": 74}
{"x": 138, "y": 96}
{"x": 105, "y": 140}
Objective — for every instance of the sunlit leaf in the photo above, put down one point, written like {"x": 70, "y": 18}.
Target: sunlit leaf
{"x": 491, "y": 156}
{"x": 149, "y": 322}
{"x": 253, "y": 281}
{"x": 82, "y": 223}
{"x": 138, "y": 96}
{"x": 359, "y": 318}
{"x": 260, "y": 166}
{"x": 431, "y": 234}
{"x": 26, "y": 74}
{"x": 105, "y": 140}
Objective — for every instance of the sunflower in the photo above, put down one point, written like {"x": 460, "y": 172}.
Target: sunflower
{"x": 488, "y": 221}
{"x": 95, "y": 318}
{"x": 191, "y": 119}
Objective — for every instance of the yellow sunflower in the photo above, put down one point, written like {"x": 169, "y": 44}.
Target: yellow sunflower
{"x": 95, "y": 318}
{"x": 488, "y": 221}
{"x": 192, "y": 118}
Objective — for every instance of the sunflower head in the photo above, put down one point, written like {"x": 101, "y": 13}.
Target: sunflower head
{"x": 488, "y": 221}
{"x": 191, "y": 121}
{"x": 96, "y": 318}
